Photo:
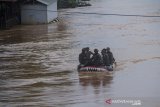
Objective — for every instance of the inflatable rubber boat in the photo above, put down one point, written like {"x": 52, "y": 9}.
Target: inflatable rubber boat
{"x": 81, "y": 68}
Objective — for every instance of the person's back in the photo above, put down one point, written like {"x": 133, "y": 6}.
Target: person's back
{"x": 83, "y": 57}
{"x": 88, "y": 54}
{"x": 96, "y": 59}
{"x": 110, "y": 55}
{"x": 105, "y": 58}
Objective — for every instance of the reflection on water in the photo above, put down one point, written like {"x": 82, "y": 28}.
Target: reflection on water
{"x": 95, "y": 79}
{"x": 38, "y": 62}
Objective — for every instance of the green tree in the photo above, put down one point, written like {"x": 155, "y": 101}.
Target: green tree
{"x": 67, "y": 3}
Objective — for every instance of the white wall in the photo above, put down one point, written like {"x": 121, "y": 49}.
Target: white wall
{"x": 52, "y": 11}
{"x": 34, "y": 14}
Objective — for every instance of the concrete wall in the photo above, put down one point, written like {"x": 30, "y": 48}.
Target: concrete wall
{"x": 33, "y": 14}
{"x": 52, "y": 11}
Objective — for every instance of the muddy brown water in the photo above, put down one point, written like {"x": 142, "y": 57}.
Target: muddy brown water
{"x": 38, "y": 63}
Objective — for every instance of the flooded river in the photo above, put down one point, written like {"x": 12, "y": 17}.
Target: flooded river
{"x": 38, "y": 63}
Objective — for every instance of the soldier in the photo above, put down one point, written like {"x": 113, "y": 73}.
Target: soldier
{"x": 110, "y": 55}
{"x": 105, "y": 58}
{"x": 83, "y": 57}
{"x": 96, "y": 58}
{"x": 89, "y": 54}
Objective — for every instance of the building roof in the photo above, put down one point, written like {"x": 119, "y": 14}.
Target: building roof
{"x": 47, "y": 2}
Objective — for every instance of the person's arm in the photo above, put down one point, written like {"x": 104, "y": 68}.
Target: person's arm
{"x": 114, "y": 59}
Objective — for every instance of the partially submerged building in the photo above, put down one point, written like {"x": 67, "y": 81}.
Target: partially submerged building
{"x": 14, "y": 12}
{"x": 38, "y": 11}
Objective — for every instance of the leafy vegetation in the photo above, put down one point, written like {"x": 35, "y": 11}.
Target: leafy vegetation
{"x": 67, "y": 3}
